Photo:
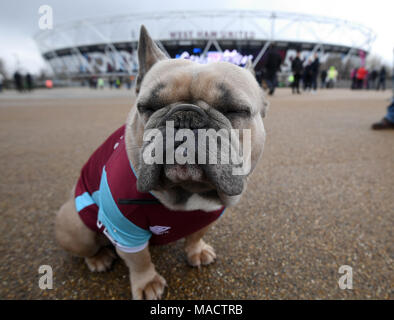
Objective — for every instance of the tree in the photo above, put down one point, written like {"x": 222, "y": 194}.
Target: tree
{"x": 373, "y": 62}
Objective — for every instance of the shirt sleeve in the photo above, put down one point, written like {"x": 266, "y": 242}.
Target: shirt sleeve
{"x": 123, "y": 233}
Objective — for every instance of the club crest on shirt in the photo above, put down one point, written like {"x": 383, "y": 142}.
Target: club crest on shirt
{"x": 159, "y": 229}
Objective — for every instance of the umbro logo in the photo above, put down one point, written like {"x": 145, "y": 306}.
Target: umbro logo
{"x": 159, "y": 229}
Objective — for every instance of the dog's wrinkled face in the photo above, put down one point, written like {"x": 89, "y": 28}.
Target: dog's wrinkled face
{"x": 218, "y": 96}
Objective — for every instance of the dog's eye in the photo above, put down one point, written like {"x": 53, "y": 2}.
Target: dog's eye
{"x": 237, "y": 113}
{"x": 147, "y": 108}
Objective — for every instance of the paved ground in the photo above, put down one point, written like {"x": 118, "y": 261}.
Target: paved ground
{"x": 322, "y": 197}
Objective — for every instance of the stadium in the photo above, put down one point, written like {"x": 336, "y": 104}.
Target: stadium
{"x": 107, "y": 46}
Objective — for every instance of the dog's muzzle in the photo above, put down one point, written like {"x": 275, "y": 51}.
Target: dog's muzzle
{"x": 192, "y": 117}
{"x": 186, "y": 116}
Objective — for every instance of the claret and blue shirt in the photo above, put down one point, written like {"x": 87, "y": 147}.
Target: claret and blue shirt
{"x": 107, "y": 201}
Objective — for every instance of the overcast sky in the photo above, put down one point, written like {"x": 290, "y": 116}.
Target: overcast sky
{"x": 19, "y": 19}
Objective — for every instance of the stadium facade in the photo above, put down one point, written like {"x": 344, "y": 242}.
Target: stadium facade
{"x": 108, "y": 45}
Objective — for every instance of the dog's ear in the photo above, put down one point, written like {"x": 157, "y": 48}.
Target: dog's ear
{"x": 148, "y": 54}
{"x": 249, "y": 66}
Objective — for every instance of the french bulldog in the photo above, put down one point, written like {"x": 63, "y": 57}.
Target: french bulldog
{"x": 124, "y": 198}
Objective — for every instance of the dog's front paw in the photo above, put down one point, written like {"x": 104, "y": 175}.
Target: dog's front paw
{"x": 147, "y": 285}
{"x": 102, "y": 261}
{"x": 200, "y": 253}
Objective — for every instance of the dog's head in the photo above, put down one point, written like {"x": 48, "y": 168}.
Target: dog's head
{"x": 178, "y": 102}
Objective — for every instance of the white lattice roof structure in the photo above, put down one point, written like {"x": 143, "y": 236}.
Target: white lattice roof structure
{"x": 117, "y": 35}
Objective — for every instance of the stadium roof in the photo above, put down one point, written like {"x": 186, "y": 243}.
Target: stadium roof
{"x": 227, "y": 24}
{"x": 206, "y": 29}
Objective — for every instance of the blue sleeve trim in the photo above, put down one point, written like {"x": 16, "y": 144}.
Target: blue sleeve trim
{"x": 85, "y": 200}
{"x": 119, "y": 228}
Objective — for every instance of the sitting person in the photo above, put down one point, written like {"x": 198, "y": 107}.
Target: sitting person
{"x": 388, "y": 121}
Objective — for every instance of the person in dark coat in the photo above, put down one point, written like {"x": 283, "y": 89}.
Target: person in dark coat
{"x": 29, "y": 82}
{"x": 382, "y": 79}
{"x": 323, "y": 79}
{"x": 372, "y": 79}
{"x": 272, "y": 66}
{"x": 353, "y": 76}
{"x": 18, "y": 81}
{"x": 315, "y": 71}
{"x": 1, "y": 82}
{"x": 296, "y": 68}
{"x": 307, "y": 76}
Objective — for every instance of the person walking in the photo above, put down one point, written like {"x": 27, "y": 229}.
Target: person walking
{"x": 353, "y": 76}
{"x": 100, "y": 83}
{"x": 315, "y": 72}
{"x": 307, "y": 77}
{"x": 18, "y": 81}
{"x": 332, "y": 77}
{"x": 382, "y": 79}
{"x": 361, "y": 75}
{"x": 111, "y": 82}
{"x": 296, "y": 68}
{"x": 366, "y": 80}
{"x": 1, "y": 82}
{"x": 29, "y": 82}
{"x": 372, "y": 79}
{"x": 323, "y": 79}
{"x": 272, "y": 66}
{"x": 118, "y": 83}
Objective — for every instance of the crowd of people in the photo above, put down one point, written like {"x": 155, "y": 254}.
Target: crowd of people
{"x": 368, "y": 79}
{"x": 307, "y": 72}
{"x": 113, "y": 82}
{"x": 304, "y": 72}
{"x": 25, "y": 82}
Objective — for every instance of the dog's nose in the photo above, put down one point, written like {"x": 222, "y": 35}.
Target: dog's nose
{"x": 186, "y": 116}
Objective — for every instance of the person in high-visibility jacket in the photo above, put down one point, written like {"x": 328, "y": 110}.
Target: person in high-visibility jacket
{"x": 290, "y": 79}
{"x": 332, "y": 76}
